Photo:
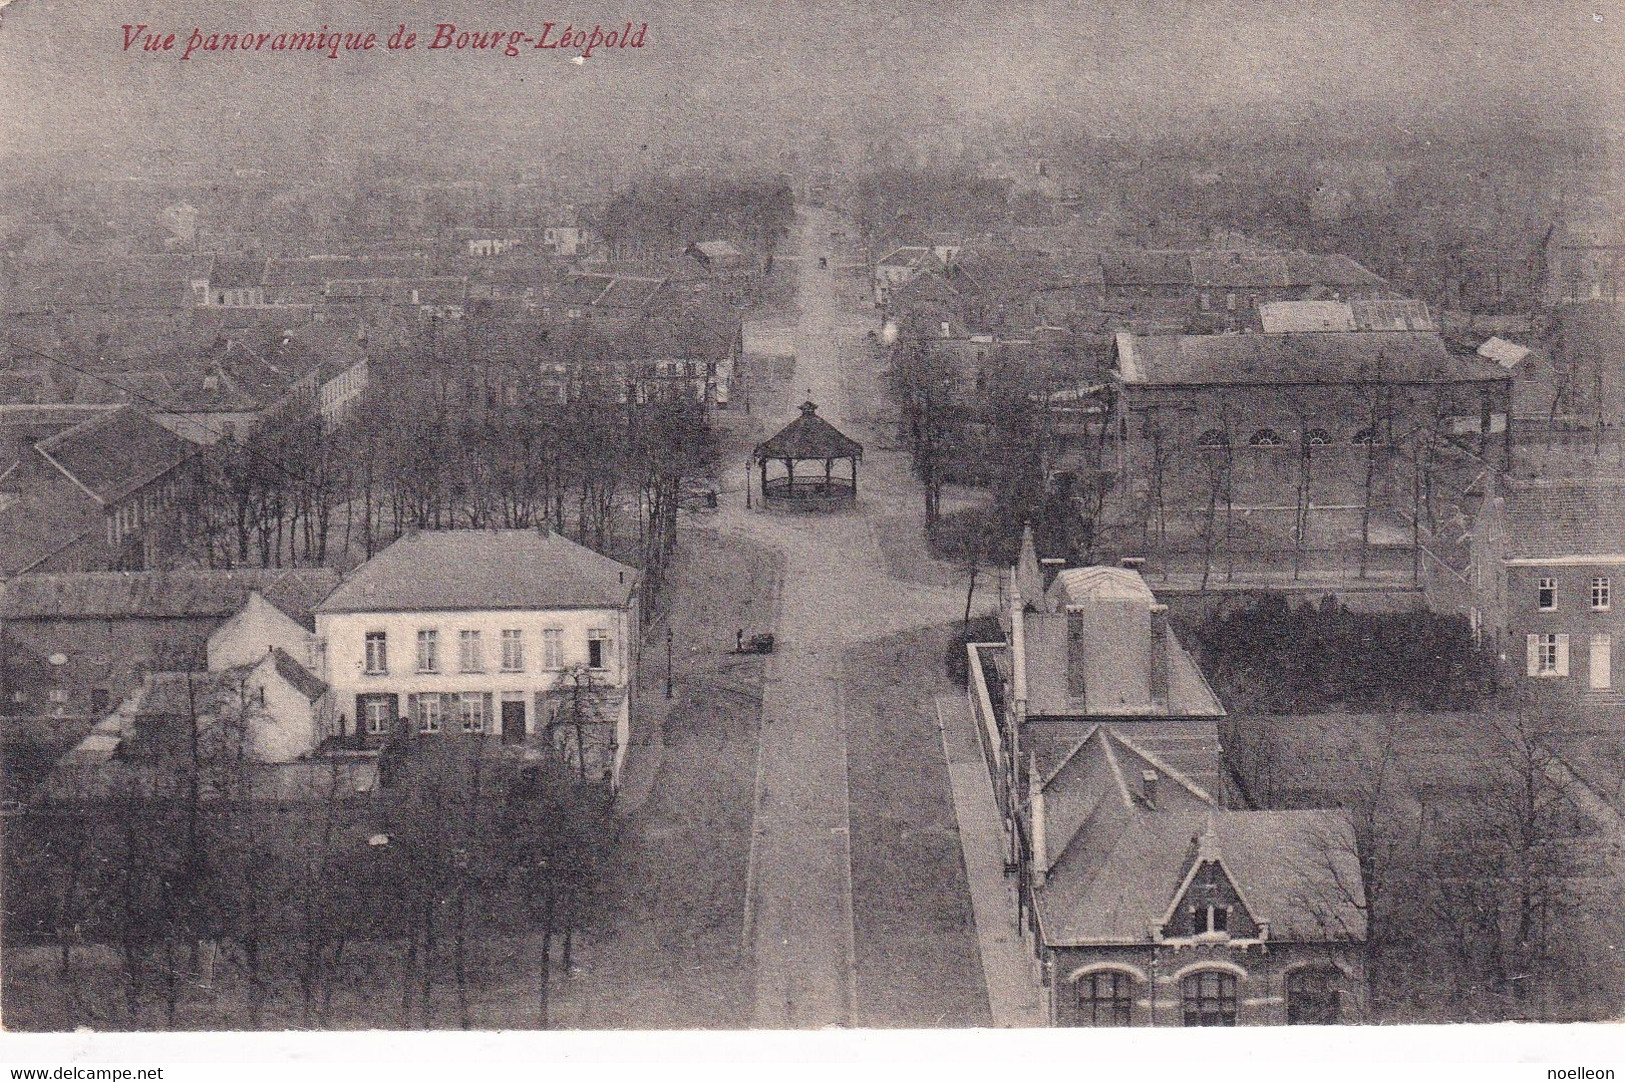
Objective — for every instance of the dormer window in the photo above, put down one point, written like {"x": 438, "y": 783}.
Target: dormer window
{"x": 1218, "y": 919}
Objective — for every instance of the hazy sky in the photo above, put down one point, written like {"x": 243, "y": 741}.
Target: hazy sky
{"x": 718, "y": 72}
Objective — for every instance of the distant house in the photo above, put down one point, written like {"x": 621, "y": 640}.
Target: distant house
{"x": 898, "y": 267}
{"x": 272, "y": 708}
{"x": 1546, "y": 557}
{"x": 1147, "y": 897}
{"x": 119, "y": 473}
{"x": 77, "y": 644}
{"x": 516, "y": 634}
{"x": 718, "y": 256}
{"x": 237, "y": 282}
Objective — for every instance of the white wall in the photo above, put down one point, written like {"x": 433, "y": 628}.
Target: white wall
{"x": 344, "y": 636}
{"x": 247, "y": 638}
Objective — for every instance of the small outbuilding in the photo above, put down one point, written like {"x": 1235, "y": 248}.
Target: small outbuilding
{"x": 811, "y": 440}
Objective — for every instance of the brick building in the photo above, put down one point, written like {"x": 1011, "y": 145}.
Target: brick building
{"x": 1146, "y": 895}
{"x": 1241, "y": 446}
{"x": 1547, "y": 558}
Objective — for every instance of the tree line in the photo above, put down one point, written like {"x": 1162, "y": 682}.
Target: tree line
{"x": 206, "y": 890}
{"x": 572, "y": 432}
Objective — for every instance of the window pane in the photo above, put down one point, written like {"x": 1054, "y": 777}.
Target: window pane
{"x": 1209, "y": 999}
{"x": 471, "y": 656}
{"x": 1105, "y": 999}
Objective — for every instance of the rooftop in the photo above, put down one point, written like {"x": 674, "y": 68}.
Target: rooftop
{"x": 115, "y": 453}
{"x": 103, "y": 595}
{"x": 1564, "y": 517}
{"x": 1321, "y": 357}
{"x": 465, "y": 570}
{"x": 809, "y": 437}
{"x": 1116, "y": 863}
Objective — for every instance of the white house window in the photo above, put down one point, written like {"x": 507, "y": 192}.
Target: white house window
{"x": 1601, "y": 592}
{"x": 378, "y": 719}
{"x": 1548, "y": 655}
{"x": 59, "y": 695}
{"x": 1266, "y": 437}
{"x": 428, "y": 651}
{"x": 597, "y": 648}
{"x": 377, "y": 653}
{"x": 471, "y": 711}
{"x": 553, "y": 648}
{"x": 1547, "y": 596}
{"x": 1213, "y": 437}
{"x": 1317, "y": 437}
{"x": 427, "y": 712}
{"x": 470, "y": 655}
{"x": 513, "y": 650}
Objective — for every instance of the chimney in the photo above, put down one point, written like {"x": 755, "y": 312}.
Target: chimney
{"x": 1159, "y": 658}
{"x": 1132, "y": 563}
{"x": 1052, "y": 566}
{"x": 1148, "y": 788}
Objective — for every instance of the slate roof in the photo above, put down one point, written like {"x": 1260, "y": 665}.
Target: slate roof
{"x": 1565, "y": 517}
{"x": 1116, "y": 865}
{"x": 302, "y": 679}
{"x": 116, "y": 453}
{"x": 906, "y": 256}
{"x": 809, "y": 437}
{"x": 1147, "y": 268}
{"x": 1239, "y": 270}
{"x": 1321, "y": 357}
{"x": 39, "y": 525}
{"x": 193, "y": 593}
{"x": 461, "y": 570}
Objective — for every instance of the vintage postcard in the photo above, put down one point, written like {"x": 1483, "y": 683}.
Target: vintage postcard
{"x": 849, "y": 516}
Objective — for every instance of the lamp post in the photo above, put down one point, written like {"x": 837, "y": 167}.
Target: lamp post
{"x": 747, "y": 484}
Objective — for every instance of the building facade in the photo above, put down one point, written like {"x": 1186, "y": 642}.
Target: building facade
{"x": 518, "y": 635}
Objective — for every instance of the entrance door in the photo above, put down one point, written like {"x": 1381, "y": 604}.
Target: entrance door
{"x": 1602, "y": 649}
{"x": 513, "y": 721}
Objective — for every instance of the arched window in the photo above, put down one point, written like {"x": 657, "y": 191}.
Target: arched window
{"x": 1213, "y": 437}
{"x": 1317, "y": 437}
{"x": 1366, "y": 437}
{"x": 1312, "y": 997}
{"x": 1266, "y": 437}
{"x": 1105, "y": 998}
{"x": 1209, "y": 998}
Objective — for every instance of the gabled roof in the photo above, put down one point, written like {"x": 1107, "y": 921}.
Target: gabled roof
{"x": 1117, "y": 863}
{"x": 809, "y": 437}
{"x": 468, "y": 570}
{"x": 114, "y": 454}
{"x": 184, "y": 594}
{"x": 1504, "y": 353}
{"x": 302, "y": 679}
{"x": 1238, "y": 270}
{"x": 1324, "y": 357}
{"x": 1560, "y": 517}
{"x": 906, "y": 256}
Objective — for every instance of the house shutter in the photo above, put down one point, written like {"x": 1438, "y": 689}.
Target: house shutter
{"x": 1562, "y": 655}
{"x": 1533, "y": 642}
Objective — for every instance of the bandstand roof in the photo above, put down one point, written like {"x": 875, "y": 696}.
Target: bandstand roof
{"x": 807, "y": 437}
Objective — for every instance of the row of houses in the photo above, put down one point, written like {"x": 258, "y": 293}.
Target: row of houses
{"x": 517, "y": 636}
{"x": 1178, "y": 288}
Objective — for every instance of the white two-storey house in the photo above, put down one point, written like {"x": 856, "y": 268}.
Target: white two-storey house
{"x": 520, "y": 635}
